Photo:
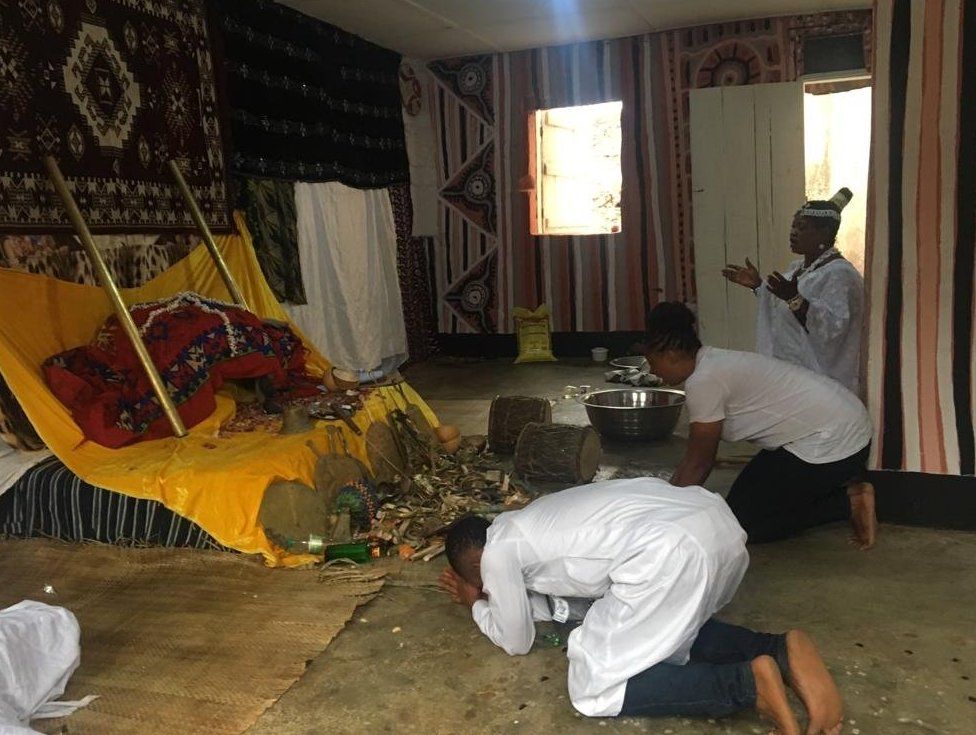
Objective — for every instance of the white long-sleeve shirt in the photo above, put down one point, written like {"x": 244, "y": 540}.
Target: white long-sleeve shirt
{"x": 658, "y": 561}
{"x": 831, "y": 342}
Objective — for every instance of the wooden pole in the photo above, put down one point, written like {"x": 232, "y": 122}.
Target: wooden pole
{"x": 112, "y": 291}
{"x": 201, "y": 223}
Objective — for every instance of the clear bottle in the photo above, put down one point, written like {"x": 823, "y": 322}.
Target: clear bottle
{"x": 312, "y": 545}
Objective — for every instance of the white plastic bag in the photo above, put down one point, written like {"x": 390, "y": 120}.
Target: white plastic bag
{"x": 39, "y": 651}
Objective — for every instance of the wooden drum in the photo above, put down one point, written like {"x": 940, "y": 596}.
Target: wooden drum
{"x": 509, "y": 415}
{"x": 558, "y": 453}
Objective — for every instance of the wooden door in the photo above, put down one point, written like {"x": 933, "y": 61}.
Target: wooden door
{"x": 747, "y": 181}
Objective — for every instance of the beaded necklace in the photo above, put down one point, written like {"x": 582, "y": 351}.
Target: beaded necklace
{"x": 827, "y": 255}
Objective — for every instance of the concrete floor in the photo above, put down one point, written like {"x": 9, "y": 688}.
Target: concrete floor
{"x": 897, "y": 625}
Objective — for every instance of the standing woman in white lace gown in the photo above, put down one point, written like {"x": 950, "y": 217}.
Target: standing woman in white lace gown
{"x": 811, "y": 315}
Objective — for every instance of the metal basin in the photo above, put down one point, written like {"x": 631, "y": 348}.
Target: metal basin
{"x": 634, "y": 414}
{"x": 630, "y": 361}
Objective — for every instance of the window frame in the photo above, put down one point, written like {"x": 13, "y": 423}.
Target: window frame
{"x": 534, "y": 183}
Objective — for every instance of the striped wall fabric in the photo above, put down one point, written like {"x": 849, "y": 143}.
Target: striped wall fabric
{"x": 591, "y": 283}
{"x": 922, "y": 234}
{"x": 486, "y": 262}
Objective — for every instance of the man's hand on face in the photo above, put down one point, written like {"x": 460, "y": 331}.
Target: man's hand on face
{"x": 459, "y": 590}
{"x": 448, "y": 581}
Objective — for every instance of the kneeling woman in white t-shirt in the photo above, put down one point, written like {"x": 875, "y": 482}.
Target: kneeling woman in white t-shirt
{"x": 814, "y": 433}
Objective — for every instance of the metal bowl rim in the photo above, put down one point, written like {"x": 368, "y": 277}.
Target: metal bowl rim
{"x": 616, "y": 362}
{"x": 674, "y": 391}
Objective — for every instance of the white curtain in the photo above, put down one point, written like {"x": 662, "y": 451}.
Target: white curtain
{"x": 347, "y": 244}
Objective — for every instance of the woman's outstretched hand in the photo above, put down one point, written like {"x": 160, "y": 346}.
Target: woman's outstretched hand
{"x": 745, "y": 275}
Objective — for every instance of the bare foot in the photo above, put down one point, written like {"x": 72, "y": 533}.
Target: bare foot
{"x": 771, "y": 701}
{"x": 813, "y": 684}
{"x": 863, "y": 520}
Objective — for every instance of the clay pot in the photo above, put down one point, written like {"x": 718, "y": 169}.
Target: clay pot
{"x": 451, "y": 445}
{"x": 447, "y": 432}
{"x": 449, "y": 437}
{"x": 345, "y": 379}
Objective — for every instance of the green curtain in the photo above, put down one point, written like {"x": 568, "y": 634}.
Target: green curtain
{"x": 269, "y": 208}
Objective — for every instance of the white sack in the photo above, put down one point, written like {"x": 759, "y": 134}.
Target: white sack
{"x": 39, "y": 651}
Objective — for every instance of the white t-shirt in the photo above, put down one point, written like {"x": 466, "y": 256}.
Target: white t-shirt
{"x": 776, "y": 404}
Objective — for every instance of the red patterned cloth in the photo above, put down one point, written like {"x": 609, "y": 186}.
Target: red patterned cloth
{"x": 196, "y": 343}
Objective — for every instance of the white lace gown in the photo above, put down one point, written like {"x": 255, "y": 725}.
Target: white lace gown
{"x": 831, "y": 342}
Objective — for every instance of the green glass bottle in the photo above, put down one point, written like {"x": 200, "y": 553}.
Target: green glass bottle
{"x": 358, "y": 552}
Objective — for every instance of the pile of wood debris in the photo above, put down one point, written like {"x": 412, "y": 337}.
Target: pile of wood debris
{"x": 439, "y": 488}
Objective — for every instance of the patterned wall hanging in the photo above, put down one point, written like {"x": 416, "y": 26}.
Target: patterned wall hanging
{"x": 416, "y": 289}
{"x": 411, "y": 91}
{"x": 470, "y": 80}
{"x": 113, "y": 90}
{"x": 729, "y": 65}
{"x": 474, "y": 297}
{"x": 921, "y": 362}
{"x": 465, "y": 258}
{"x": 471, "y": 191}
{"x": 592, "y": 283}
{"x": 269, "y": 208}
{"x": 601, "y": 283}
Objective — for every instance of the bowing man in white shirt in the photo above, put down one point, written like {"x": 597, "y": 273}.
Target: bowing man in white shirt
{"x": 657, "y": 562}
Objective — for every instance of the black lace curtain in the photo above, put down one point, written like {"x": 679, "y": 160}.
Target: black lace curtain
{"x": 308, "y": 101}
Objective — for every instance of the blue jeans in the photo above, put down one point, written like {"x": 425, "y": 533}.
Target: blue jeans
{"x": 716, "y": 681}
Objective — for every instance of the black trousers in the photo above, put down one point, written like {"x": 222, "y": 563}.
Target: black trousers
{"x": 778, "y": 495}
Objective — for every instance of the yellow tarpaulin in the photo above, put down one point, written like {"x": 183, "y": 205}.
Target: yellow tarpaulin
{"x": 217, "y": 482}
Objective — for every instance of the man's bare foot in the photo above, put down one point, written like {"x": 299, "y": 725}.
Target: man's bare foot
{"x": 771, "y": 701}
{"x": 813, "y": 684}
{"x": 863, "y": 520}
